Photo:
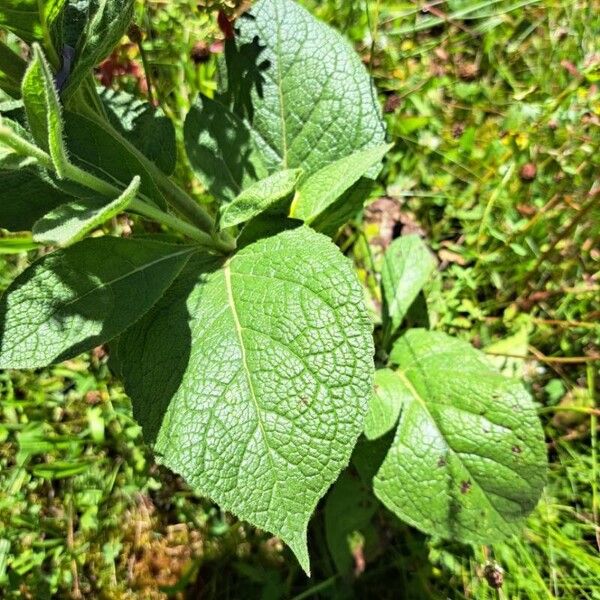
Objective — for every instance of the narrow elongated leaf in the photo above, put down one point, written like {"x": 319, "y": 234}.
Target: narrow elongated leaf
{"x": 92, "y": 28}
{"x": 221, "y": 150}
{"x": 468, "y": 460}
{"x": 74, "y": 299}
{"x": 262, "y": 366}
{"x": 324, "y": 187}
{"x": 386, "y": 401}
{"x": 94, "y": 149}
{"x": 259, "y": 197}
{"x": 407, "y": 266}
{"x": 311, "y": 101}
{"x": 43, "y": 108}
{"x": 146, "y": 127}
{"x": 71, "y": 222}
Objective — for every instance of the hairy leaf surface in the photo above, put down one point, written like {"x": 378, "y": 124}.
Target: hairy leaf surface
{"x": 71, "y": 222}
{"x": 312, "y": 101}
{"x": 259, "y": 197}
{"x": 262, "y": 367}
{"x": 468, "y": 460}
{"x": 407, "y": 266}
{"x": 74, "y": 299}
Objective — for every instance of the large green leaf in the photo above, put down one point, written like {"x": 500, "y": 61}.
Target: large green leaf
{"x": 312, "y": 101}
{"x": 324, "y": 187}
{"x": 251, "y": 378}
{"x": 74, "y": 299}
{"x": 220, "y": 148}
{"x": 468, "y": 460}
{"x": 407, "y": 266}
{"x": 146, "y": 127}
{"x": 69, "y": 223}
{"x": 260, "y": 197}
{"x": 92, "y": 28}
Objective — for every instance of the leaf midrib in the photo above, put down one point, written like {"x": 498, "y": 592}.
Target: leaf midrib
{"x": 406, "y": 381}
{"x": 245, "y": 367}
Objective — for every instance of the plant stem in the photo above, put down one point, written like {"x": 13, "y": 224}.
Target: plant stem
{"x": 204, "y": 239}
{"x": 74, "y": 173}
{"x": 145, "y": 209}
{"x": 176, "y": 197}
{"x": 22, "y": 146}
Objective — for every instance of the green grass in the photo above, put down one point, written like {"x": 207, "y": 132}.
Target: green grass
{"x": 473, "y": 93}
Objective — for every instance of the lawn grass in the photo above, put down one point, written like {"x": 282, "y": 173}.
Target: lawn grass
{"x": 494, "y": 109}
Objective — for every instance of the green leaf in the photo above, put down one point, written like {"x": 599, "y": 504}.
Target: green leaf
{"x": 146, "y": 127}
{"x": 25, "y": 197}
{"x": 407, "y": 266}
{"x": 221, "y": 150}
{"x": 43, "y": 109}
{"x": 263, "y": 226}
{"x": 93, "y": 148}
{"x": 71, "y": 222}
{"x": 259, "y": 197}
{"x": 251, "y": 378}
{"x": 12, "y": 70}
{"x": 386, "y": 402}
{"x": 22, "y": 18}
{"x": 311, "y": 100}
{"x": 345, "y": 208}
{"x": 323, "y": 188}
{"x": 74, "y": 299}
{"x": 92, "y": 28}
{"x": 349, "y": 510}
{"x": 468, "y": 461}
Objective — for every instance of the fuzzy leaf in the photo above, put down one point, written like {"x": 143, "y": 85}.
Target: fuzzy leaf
{"x": 385, "y": 403}
{"x": 311, "y": 100}
{"x": 71, "y": 222}
{"x": 43, "y": 109}
{"x": 251, "y": 378}
{"x": 146, "y": 127}
{"x": 468, "y": 461}
{"x": 220, "y": 149}
{"x": 407, "y": 266}
{"x": 259, "y": 197}
{"x": 324, "y": 187}
{"x": 74, "y": 299}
